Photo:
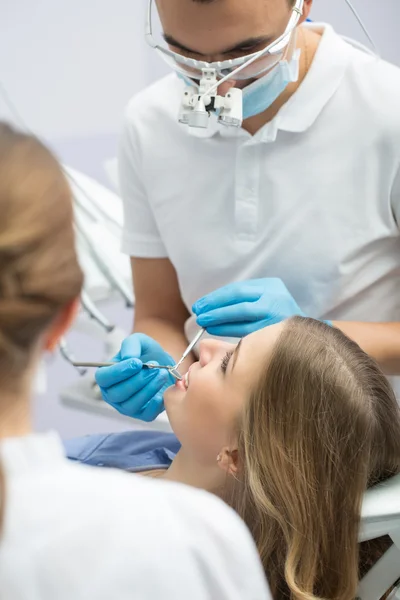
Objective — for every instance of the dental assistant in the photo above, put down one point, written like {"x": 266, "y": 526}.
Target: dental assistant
{"x": 306, "y": 192}
{"x": 68, "y": 531}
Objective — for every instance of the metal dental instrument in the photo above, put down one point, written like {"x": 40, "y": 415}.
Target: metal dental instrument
{"x": 190, "y": 347}
{"x": 94, "y": 313}
{"x": 62, "y": 344}
{"x": 105, "y": 267}
{"x": 172, "y": 369}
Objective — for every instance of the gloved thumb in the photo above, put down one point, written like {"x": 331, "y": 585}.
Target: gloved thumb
{"x": 131, "y": 347}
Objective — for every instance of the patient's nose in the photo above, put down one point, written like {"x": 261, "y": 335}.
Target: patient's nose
{"x": 207, "y": 350}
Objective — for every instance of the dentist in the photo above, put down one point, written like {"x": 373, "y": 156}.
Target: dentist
{"x": 305, "y": 192}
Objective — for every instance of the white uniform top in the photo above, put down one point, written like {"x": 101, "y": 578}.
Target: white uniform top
{"x": 81, "y": 533}
{"x": 312, "y": 198}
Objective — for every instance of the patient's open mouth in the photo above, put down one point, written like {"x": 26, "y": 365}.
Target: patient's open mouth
{"x": 182, "y": 384}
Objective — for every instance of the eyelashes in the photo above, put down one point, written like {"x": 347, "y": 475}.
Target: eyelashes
{"x": 225, "y": 361}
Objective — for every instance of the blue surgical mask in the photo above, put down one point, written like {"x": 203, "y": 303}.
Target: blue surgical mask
{"x": 187, "y": 81}
{"x": 262, "y": 93}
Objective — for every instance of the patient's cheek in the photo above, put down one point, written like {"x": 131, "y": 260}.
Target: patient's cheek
{"x": 196, "y": 420}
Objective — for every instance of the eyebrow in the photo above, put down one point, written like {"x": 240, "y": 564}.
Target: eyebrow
{"x": 236, "y": 354}
{"x": 249, "y": 43}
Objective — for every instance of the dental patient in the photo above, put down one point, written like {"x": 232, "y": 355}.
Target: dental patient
{"x": 290, "y": 428}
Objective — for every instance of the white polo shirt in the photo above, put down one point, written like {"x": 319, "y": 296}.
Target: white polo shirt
{"x": 72, "y": 532}
{"x": 312, "y": 198}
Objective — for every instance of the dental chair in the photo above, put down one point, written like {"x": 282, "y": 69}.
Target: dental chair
{"x": 381, "y": 516}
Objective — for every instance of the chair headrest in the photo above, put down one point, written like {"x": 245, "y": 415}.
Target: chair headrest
{"x": 382, "y": 502}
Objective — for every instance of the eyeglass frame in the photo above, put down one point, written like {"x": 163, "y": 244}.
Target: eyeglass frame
{"x": 231, "y": 64}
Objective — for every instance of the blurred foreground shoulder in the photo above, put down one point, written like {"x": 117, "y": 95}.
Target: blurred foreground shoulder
{"x": 177, "y": 542}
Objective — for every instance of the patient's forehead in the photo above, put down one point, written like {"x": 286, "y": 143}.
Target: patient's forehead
{"x": 256, "y": 350}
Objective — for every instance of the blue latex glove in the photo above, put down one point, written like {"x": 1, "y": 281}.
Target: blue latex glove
{"x": 244, "y": 307}
{"x": 130, "y": 389}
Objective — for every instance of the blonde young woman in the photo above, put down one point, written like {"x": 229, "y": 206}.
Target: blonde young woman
{"x": 290, "y": 428}
{"x": 68, "y": 531}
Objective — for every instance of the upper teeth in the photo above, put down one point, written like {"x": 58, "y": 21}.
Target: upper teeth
{"x": 186, "y": 380}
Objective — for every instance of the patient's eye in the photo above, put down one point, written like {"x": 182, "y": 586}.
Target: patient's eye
{"x": 225, "y": 361}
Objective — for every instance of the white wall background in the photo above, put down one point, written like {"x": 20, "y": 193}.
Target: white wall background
{"x": 70, "y": 67}
{"x": 381, "y": 17}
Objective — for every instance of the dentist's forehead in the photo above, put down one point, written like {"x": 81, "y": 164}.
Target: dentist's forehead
{"x": 215, "y": 26}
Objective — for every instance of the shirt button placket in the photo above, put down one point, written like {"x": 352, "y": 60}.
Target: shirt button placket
{"x": 247, "y": 192}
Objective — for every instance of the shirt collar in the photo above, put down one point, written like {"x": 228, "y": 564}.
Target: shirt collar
{"x": 320, "y": 84}
{"x": 303, "y": 108}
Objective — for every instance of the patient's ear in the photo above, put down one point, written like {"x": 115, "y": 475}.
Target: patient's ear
{"x": 228, "y": 460}
{"x": 61, "y": 324}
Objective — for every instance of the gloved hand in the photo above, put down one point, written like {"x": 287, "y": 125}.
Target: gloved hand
{"x": 130, "y": 389}
{"x": 244, "y": 307}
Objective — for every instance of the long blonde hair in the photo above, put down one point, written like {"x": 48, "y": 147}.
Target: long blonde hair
{"x": 39, "y": 271}
{"x": 321, "y": 426}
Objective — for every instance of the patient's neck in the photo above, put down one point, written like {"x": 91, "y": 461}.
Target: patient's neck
{"x": 186, "y": 470}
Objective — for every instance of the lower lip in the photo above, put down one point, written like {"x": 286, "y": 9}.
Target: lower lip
{"x": 180, "y": 385}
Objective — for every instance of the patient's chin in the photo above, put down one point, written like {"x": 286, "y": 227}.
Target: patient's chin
{"x": 172, "y": 396}
{"x": 173, "y": 403}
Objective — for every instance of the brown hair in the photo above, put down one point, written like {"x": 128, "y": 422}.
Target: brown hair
{"x": 321, "y": 426}
{"x": 39, "y": 272}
